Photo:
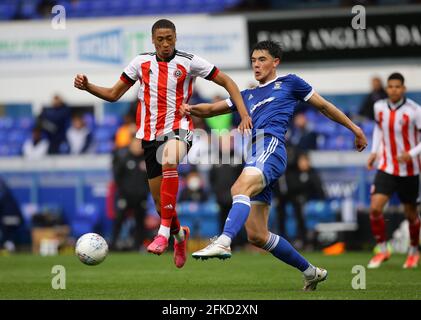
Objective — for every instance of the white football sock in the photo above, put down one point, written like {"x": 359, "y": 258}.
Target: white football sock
{"x": 310, "y": 272}
{"x": 164, "y": 231}
{"x": 180, "y": 235}
{"x": 224, "y": 240}
{"x": 413, "y": 250}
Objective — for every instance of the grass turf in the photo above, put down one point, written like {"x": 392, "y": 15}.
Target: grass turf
{"x": 245, "y": 276}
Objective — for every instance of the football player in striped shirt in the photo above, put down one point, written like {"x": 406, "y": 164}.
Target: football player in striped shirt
{"x": 271, "y": 105}
{"x": 396, "y": 145}
{"x": 166, "y": 79}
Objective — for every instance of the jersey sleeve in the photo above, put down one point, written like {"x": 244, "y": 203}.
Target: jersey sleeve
{"x": 375, "y": 113}
{"x": 417, "y": 149}
{"x": 231, "y": 104}
{"x": 201, "y": 68}
{"x": 418, "y": 118}
{"x": 131, "y": 73}
{"x": 301, "y": 89}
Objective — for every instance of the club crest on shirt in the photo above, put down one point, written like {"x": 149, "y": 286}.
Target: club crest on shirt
{"x": 178, "y": 73}
{"x": 277, "y": 85}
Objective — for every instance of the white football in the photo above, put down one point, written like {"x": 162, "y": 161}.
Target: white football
{"x": 91, "y": 249}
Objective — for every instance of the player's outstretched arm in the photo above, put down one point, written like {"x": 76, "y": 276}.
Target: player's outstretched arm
{"x": 333, "y": 113}
{"x": 205, "y": 110}
{"x": 225, "y": 81}
{"x": 109, "y": 94}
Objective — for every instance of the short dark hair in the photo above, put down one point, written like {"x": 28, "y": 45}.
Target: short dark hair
{"x": 397, "y": 76}
{"x": 163, "y": 24}
{"x": 274, "y": 48}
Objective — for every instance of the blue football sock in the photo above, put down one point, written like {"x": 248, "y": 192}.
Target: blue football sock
{"x": 237, "y": 216}
{"x": 285, "y": 252}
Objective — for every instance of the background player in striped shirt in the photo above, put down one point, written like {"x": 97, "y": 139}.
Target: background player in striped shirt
{"x": 166, "y": 81}
{"x": 271, "y": 105}
{"x": 396, "y": 145}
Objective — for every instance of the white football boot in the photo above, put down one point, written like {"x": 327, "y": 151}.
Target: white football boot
{"x": 213, "y": 250}
{"x": 310, "y": 284}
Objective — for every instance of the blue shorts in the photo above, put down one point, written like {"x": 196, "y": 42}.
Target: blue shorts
{"x": 268, "y": 156}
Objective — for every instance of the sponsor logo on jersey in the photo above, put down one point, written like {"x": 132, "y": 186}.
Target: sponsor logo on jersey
{"x": 260, "y": 103}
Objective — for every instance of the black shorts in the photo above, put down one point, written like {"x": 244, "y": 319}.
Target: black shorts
{"x": 154, "y": 152}
{"x": 407, "y": 188}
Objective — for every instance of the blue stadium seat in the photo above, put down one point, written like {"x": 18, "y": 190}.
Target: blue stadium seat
{"x": 3, "y": 136}
{"x": 111, "y": 120}
{"x": 368, "y": 127}
{"x": 175, "y": 6}
{"x": 85, "y": 220}
{"x": 201, "y": 218}
{"x": 10, "y": 149}
{"x": 324, "y": 126}
{"x": 135, "y": 7}
{"x": 17, "y": 136}
{"x": 339, "y": 142}
{"x": 104, "y": 147}
{"x": 153, "y": 7}
{"x": 8, "y": 10}
{"x": 24, "y": 123}
{"x": 78, "y": 9}
{"x": 6, "y": 123}
{"x": 104, "y": 133}
{"x": 29, "y": 8}
{"x": 90, "y": 121}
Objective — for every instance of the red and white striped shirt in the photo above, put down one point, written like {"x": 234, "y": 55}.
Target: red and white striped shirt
{"x": 164, "y": 86}
{"x": 397, "y": 131}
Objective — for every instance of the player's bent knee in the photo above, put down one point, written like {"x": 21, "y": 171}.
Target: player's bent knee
{"x": 257, "y": 239}
{"x": 375, "y": 212}
{"x": 236, "y": 189}
{"x": 242, "y": 186}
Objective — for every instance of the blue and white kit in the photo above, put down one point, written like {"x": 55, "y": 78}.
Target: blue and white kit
{"x": 271, "y": 107}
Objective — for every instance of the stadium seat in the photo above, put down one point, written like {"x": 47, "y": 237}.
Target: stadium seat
{"x": 134, "y": 7}
{"x": 368, "y": 127}
{"x": 153, "y": 7}
{"x": 85, "y": 220}
{"x": 89, "y": 121}
{"x": 17, "y": 136}
{"x": 104, "y": 147}
{"x": 3, "y": 135}
{"x": 29, "y": 8}
{"x": 6, "y": 123}
{"x": 324, "y": 127}
{"x": 24, "y": 123}
{"x": 202, "y": 218}
{"x": 8, "y": 10}
{"x": 81, "y": 8}
{"x": 111, "y": 120}
{"x": 104, "y": 133}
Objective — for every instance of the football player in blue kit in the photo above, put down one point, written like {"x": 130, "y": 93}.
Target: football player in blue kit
{"x": 271, "y": 105}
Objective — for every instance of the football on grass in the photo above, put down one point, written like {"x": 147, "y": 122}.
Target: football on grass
{"x": 91, "y": 249}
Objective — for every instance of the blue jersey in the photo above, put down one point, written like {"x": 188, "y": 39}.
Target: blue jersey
{"x": 272, "y": 104}
{"x": 271, "y": 107}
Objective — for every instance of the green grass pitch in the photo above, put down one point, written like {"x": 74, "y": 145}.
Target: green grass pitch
{"x": 253, "y": 276}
